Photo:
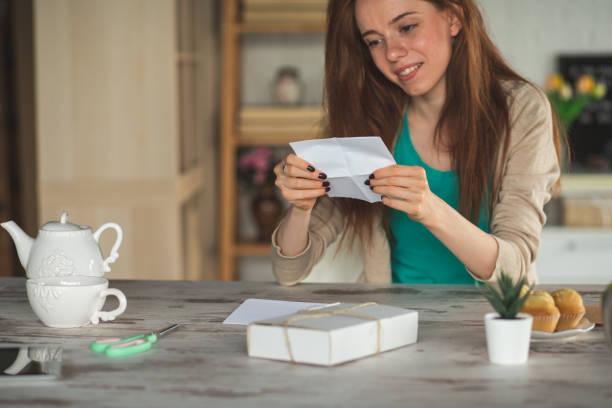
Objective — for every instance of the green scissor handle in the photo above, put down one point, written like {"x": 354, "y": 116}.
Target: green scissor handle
{"x": 125, "y": 346}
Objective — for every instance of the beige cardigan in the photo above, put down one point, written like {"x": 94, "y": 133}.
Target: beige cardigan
{"x": 529, "y": 173}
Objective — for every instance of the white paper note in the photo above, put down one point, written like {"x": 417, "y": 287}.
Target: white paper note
{"x": 252, "y": 310}
{"x": 347, "y": 161}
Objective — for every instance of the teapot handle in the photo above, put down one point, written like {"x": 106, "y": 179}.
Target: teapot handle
{"x": 113, "y": 254}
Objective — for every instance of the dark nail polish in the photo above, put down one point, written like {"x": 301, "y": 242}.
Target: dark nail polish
{"x": 310, "y": 168}
{"x": 371, "y": 188}
{"x": 367, "y": 182}
{"x": 372, "y": 175}
{"x": 327, "y": 189}
{"x": 326, "y": 184}
{"x": 322, "y": 176}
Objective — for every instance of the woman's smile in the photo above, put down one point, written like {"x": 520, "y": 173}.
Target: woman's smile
{"x": 408, "y": 72}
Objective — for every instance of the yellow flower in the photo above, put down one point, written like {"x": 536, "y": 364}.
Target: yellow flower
{"x": 585, "y": 84}
{"x": 554, "y": 82}
{"x": 600, "y": 90}
{"x": 565, "y": 93}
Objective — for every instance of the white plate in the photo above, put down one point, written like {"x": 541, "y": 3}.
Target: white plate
{"x": 565, "y": 334}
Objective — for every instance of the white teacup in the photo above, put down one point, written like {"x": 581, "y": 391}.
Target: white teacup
{"x": 72, "y": 301}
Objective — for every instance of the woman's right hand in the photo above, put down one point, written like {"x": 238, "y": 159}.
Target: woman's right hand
{"x": 299, "y": 182}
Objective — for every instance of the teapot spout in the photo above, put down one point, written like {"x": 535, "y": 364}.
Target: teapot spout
{"x": 23, "y": 242}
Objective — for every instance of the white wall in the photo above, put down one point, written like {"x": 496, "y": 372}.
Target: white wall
{"x": 530, "y": 33}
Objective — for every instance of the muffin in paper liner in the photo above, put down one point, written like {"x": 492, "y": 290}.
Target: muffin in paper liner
{"x": 545, "y": 323}
{"x": 569, "y": 321}
{"x": 571, "y": 307}
{"x": 541, "y": 306}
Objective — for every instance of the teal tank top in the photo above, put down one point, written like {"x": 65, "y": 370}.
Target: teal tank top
{"x": 417, "y": 256}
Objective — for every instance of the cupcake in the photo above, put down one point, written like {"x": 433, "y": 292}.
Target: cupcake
{"x": 542, "y": 307}
{"x": 570, "y": 305}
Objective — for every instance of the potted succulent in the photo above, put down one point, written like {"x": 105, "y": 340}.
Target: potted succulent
{"x": 508, "y": 331}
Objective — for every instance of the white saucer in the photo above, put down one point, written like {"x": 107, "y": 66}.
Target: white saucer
{"x": 565, "y": 334}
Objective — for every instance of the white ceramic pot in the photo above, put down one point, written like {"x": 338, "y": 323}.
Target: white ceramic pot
{"x": 508, "y": 339}
{"x": 72, "y": 301}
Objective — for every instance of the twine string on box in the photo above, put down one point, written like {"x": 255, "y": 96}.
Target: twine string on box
{"x": 317, "y": 313}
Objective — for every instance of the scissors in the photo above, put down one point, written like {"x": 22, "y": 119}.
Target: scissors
{"x": 119, "y": 347}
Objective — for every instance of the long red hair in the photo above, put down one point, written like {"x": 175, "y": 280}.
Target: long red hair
{"x": 361, "y": 101}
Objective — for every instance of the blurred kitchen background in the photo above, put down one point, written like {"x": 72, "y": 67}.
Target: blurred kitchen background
{"x": 164, "y": 116}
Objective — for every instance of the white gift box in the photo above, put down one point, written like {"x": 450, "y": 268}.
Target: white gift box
{"x": 333, "y": 334}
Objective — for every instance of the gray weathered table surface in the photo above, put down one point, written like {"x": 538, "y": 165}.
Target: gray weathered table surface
{"x": 204, "y": 363}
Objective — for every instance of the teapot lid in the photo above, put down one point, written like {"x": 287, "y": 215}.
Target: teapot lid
{"x": 62, "y": 225}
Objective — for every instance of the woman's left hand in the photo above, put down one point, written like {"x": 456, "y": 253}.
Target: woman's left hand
{"x": 405, "y": 188}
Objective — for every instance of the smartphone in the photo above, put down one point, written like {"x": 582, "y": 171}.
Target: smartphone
{"x": 26, "y": 363}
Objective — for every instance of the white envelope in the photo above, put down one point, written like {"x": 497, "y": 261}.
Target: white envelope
{"x": 261, "y": 309}
{"x": 347, "y": 161}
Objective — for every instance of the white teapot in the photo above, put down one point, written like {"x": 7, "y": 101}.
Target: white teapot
{"x": 63, "y": 249}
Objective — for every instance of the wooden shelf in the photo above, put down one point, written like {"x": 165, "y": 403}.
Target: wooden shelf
{"x": 275, "y": 125}
{"x": 251, "y": 249}
{"x": 271, "y": 140}
{"x": 585, "y": 184}
{"x": 280, "y": 28}
{"x": 263, "y": 114}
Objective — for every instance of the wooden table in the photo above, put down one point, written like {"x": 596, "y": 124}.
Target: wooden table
{"x": 204, "y": 363}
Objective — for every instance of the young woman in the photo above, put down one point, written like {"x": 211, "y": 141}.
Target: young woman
{"x": 476, "y": 146}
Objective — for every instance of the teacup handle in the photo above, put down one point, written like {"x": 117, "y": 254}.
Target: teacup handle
{"x": 113, "y": 254}
{"x": 105, "y": 316}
